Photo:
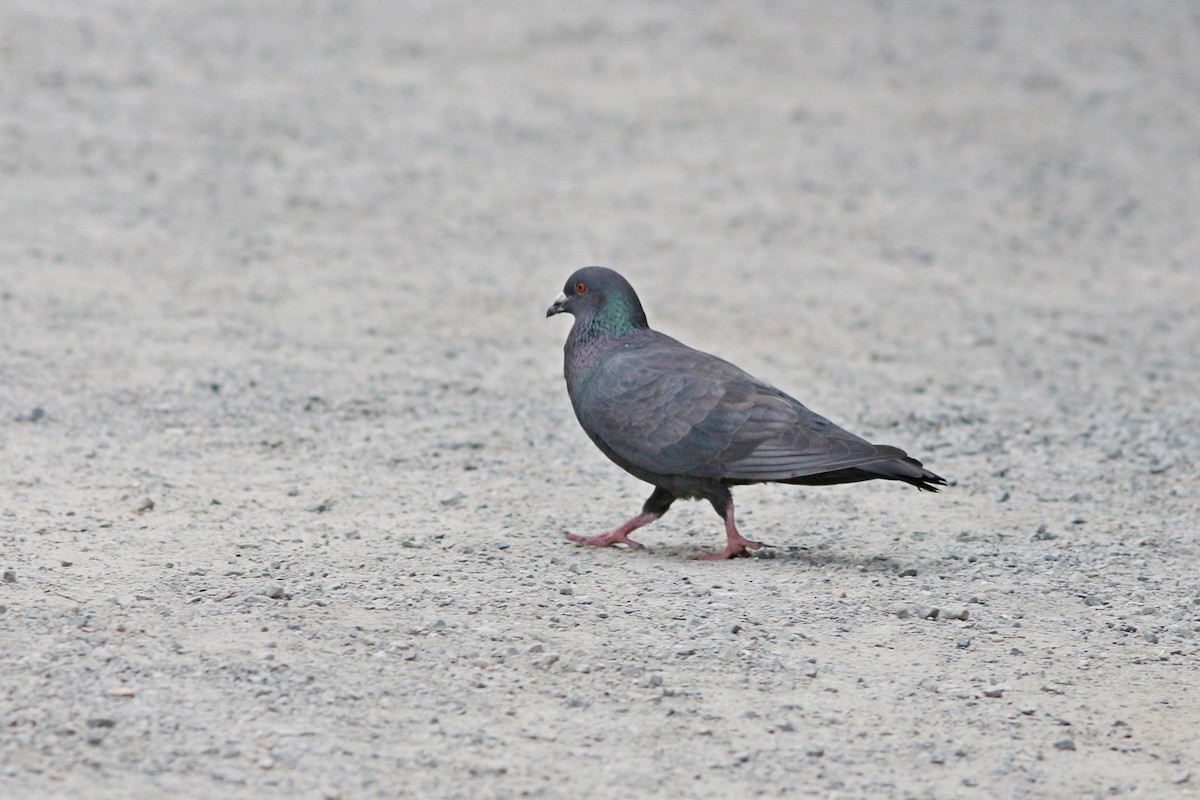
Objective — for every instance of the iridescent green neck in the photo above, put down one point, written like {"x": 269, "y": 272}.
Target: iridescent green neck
{"x": 616, "y": 317}
{"x": 619, "y": 316}
{"x": 595, "y": 334}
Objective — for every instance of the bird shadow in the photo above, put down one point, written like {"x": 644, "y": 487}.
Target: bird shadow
{"x": 784, "y": 554}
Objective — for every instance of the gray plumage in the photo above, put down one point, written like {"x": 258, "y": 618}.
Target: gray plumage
{"x": 692, "y": 424}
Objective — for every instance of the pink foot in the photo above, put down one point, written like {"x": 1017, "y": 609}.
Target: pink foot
{"x": 605, "y": 539}
{"x": 617, "y": 535}
{"x": 735, "y": 548}
{"x": 736, "y": 545}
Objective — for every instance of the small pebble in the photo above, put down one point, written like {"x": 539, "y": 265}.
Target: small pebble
{"x": 1181, "y": 777}
{"x": 964, "y": 642}
{"x": 908, "y": 573}
{"x": 1150, "y": 637}
{"x": 1064, "y": 744}
{"x": 1043, "y": 534}
{"x": 36, "y": 415}
{"x": 1002, "y": 496}
{"x": 10, "y": 576}
{"x": 993, "y": 691}
{"x": 920, "y": 612}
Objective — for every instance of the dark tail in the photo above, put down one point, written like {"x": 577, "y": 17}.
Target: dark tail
{"x": 904, "y": 469}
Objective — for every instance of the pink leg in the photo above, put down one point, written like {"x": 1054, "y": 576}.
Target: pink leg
{"x": 737, "y": 545}
{"x": 618, "y": 535}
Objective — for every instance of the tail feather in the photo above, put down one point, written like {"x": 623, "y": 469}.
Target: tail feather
{"x": 906, "y": 469}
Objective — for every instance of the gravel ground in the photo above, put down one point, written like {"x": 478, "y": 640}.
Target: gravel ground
{"x": 287, "y": 456}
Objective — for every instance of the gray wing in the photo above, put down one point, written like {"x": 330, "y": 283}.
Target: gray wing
{"x": 672, "y": 410}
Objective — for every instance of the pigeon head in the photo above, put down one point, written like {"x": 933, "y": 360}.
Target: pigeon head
{"x": 602, "y": 301}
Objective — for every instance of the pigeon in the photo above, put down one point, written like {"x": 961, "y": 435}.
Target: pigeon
{"x": 693, "y": 425}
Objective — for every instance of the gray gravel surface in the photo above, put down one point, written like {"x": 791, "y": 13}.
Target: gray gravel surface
{"x": 287, "y": 457}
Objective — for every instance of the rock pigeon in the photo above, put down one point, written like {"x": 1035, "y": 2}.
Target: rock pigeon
{"x": 692, "y": 424}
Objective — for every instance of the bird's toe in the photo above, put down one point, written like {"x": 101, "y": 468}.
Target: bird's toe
{"x": 733, "y": 550}
{"x": 604, "y": 540}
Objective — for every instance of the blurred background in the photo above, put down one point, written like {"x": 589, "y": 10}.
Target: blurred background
{"x": 995, "y": 201}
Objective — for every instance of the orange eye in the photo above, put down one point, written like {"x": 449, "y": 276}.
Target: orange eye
{"x": 581, "y": 288}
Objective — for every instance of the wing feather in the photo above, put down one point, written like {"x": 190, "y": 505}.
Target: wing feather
{"x": 670, "y": 410}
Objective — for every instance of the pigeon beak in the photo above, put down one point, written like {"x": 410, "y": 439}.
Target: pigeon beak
{"x": 559, "y": 305}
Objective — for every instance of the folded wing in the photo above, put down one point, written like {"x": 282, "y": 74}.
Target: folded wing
{"x": 672, "y": 410}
